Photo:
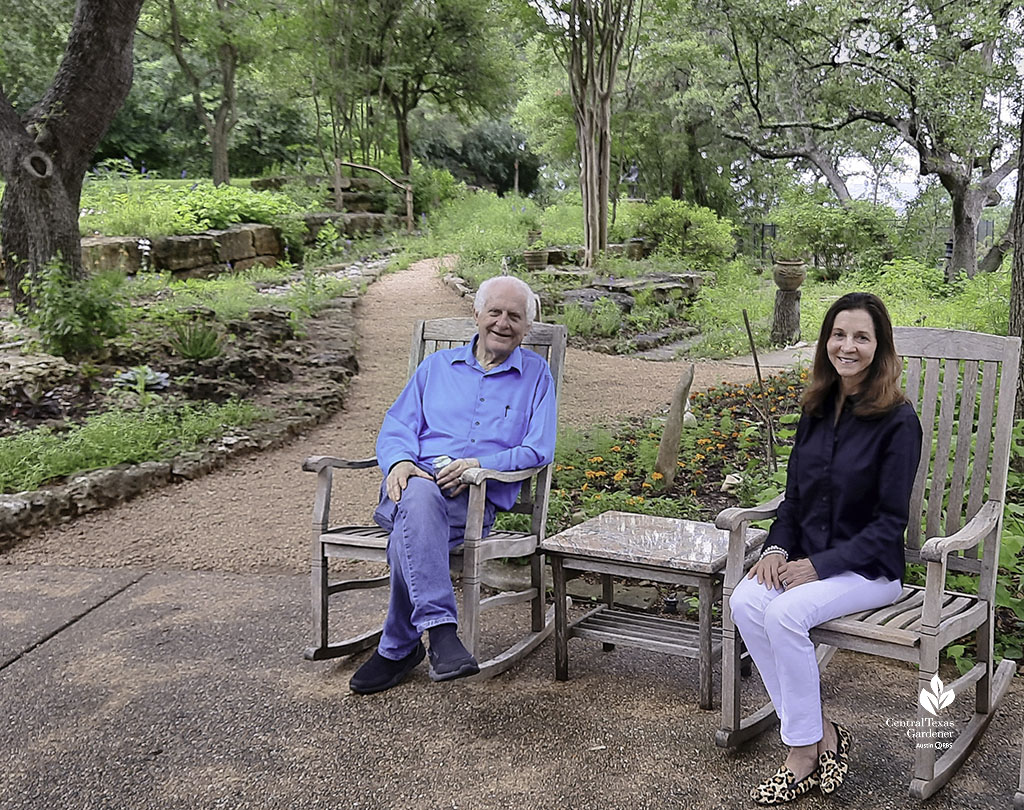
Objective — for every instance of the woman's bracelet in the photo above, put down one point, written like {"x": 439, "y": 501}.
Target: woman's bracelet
{"x": 775, "y": 550}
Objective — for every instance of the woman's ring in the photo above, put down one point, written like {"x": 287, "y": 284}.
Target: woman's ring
{"x": 785, "y": 583}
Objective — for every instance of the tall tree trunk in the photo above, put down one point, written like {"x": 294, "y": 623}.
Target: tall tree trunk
{"x": 1017, "y": 272}
{"x": 967, "y": 206}
{"x": 44, "y": 157}
{"x": 404, "y": 144}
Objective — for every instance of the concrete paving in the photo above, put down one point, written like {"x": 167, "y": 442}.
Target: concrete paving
{"x": 124, "y": 688}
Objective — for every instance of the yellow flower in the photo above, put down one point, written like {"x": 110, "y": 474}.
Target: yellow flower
{"x": 619, "y": 475}
{"x": 616, "y": 449}
{"x": 584, "y": 487}
{"x": 645, "y": 485}
{"x": 657, "y": 476}
{"x": 595, "y": 460}
{"x": 639, "y": 499}
{"x": 681, "y": 463}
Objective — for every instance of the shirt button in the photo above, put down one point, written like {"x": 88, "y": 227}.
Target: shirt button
{"x": 476, "y": 423}
{"x": 482, "y": 399}
{"x": 474, "y": 442}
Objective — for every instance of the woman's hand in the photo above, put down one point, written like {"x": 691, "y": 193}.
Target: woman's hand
{"x": 767, "y": 570}
{"x": 797, "y": 573}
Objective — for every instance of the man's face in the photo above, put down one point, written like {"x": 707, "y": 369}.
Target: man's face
{"x": 502, "y": 325}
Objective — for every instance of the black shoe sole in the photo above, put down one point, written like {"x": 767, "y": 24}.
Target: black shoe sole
{"x": 372, "y": 689}
{"x": 464, "y": 670}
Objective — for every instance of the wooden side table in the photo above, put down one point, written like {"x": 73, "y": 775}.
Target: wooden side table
{"x": 668, "y": 550}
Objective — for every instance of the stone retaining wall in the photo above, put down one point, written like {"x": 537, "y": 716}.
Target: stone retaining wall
{"x": 206, "y": 254}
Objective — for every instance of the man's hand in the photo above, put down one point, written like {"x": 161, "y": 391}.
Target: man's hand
{"x": 767, "y": 570}
{"x": 448, "y": 478}
{"x": 797, "y": 573}
{"x": 398, "y": 478}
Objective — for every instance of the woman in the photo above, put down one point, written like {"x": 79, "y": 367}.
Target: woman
{"x": 836, "y": 546}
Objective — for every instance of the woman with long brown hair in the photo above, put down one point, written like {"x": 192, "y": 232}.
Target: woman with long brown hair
{"x": 836, "y": 546}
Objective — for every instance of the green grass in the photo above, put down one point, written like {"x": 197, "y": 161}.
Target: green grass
{"x": 155, "y": 433}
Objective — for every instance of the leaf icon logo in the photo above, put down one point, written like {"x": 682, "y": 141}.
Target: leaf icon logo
{"x": 938, "y": 699}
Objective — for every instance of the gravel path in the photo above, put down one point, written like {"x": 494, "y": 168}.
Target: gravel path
{"x": 252, "y": 516}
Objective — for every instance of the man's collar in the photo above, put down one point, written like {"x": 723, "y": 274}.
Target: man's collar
{"x": 467, "y": 354}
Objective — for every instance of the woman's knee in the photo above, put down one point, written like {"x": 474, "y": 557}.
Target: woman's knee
{"x": 747, "y": 602}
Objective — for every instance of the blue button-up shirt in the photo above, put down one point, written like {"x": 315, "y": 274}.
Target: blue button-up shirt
{"x": 848, "y": 488}
{"x": 504, "y": 417}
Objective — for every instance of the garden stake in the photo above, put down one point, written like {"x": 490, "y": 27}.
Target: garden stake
{"x": 760, "y": 385}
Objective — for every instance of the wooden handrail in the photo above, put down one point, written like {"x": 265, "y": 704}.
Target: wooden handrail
{"x": 406, "y": 187}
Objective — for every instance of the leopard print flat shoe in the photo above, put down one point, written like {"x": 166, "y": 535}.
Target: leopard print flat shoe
{"x": 834, "y": 765}
{"x": 782, "y": 786}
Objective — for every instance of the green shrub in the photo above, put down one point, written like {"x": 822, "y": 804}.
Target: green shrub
{"x": 840, "y": 237}
{"x": 687, "y": 231}
{"x": 75, "y": 317}
{"x": 159, "y": 208}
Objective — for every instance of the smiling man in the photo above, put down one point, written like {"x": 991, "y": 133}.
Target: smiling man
{"x": 490, "y": 404}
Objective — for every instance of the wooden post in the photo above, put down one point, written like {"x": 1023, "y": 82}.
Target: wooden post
{"x": 786, "y": 318}
{"x": 338, "y": 206}
{"x": 408, "y": 208}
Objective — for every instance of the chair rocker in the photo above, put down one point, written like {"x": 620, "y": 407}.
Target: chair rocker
{"x": 958, "y": 496}
{"x": 369, "y": 543}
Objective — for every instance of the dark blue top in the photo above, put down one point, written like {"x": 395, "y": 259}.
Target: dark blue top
{"x": 848, "y": 490}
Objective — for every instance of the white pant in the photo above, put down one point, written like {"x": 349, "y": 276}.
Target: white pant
{"x": 775, "y": 626}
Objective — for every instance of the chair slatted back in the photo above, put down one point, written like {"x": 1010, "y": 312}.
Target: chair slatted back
{"x": 546, "y": 339}
{"x": 963, "y": 386}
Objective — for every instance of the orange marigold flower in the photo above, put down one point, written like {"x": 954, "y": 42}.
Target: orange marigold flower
{"x": 584, "y": 488}
{"x": 657, "y": 476}
{"x": 645, "y": 485}
{"x": 619, "y": 475}
{"x": 595, "y": 459}
{"x": 616, "y": 448}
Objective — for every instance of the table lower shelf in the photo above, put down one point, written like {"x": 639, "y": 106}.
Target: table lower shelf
{"x": 613, "y": 626}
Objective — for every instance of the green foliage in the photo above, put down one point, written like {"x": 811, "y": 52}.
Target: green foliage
{"x": 196, "y": 341}
{"x": 603, "y": 320}
{"x": 688, "y": 231}
{"x": 160, "y": 208}
{"x": 717, "y": 311}
{"x": 839, "y": 237}
{"x": 75, "y": 317}
{"x": 32, "y": 458}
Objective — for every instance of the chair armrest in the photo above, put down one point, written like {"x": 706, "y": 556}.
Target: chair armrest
{"x": 477, "y": 475}
{"x": 731, "y": 518}
{"x": 318, "y": 463}
{"x": 974, "y": 531}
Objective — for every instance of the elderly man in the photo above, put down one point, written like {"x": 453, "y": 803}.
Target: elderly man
{"x": 490, "y": 404}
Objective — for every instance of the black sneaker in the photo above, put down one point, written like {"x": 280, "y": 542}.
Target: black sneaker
{"x": 449, "y": 659}
{"x": 380, "y": 673}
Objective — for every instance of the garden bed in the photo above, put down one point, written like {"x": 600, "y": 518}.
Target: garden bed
{"x": 141, "y": 415}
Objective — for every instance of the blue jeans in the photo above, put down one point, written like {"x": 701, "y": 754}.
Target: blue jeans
{"x": 424, "y": 526}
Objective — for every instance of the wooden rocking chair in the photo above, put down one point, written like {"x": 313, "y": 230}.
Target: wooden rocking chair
{"x": 958, "y": 494}
{"x": 370, "y": 542}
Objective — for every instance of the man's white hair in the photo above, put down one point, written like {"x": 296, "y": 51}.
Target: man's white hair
{"x": 480, "y": 301}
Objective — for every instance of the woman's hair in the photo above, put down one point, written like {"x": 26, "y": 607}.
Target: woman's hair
{"x": 881, "y": 391}
{"x": 480, "y": 300}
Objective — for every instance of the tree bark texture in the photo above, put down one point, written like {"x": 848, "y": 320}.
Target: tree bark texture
{"x": 1017, "y": 272}
{"x": 596, "y": 33}
{"x": 45, "y": 154}
{"x": 786, "y": 317}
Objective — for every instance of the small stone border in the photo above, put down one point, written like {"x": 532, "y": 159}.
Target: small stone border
{"x": 330, "y": 372}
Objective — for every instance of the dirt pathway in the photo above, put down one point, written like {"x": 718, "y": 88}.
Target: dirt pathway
{"x": 254, "y": 514}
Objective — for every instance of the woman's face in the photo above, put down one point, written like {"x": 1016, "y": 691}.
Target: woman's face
{"x": 851, "y": 347}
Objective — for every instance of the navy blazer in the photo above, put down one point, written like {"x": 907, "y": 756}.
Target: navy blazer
{"x": 848, "y": 488}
